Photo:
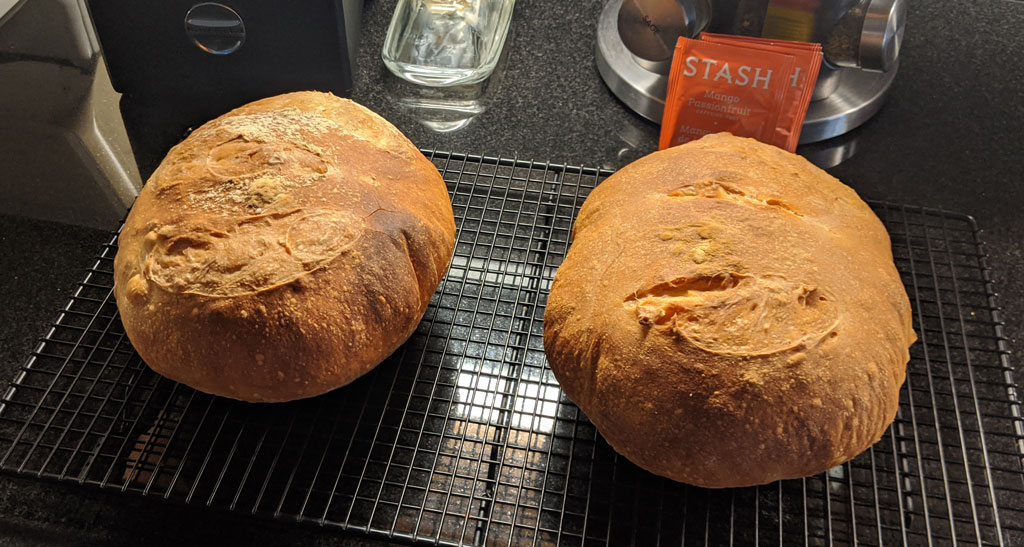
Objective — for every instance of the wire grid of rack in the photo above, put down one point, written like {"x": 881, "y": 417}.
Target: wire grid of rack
{"x": 463, "y": 435}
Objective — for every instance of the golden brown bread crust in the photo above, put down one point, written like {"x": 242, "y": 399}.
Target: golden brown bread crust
{"x": 730, "y": 315}
{"x": 282, "y": 249}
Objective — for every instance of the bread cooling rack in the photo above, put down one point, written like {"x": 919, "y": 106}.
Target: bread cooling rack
{"x": 463, "y": 436}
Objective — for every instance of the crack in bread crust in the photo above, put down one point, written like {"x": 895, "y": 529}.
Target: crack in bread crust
{"x": 250, "y": 258}
{"x": 734, "y": 314}
{"x": 721, "y": 187}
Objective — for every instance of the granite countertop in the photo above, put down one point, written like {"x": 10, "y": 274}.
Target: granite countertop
{"x": 949, "y": 137}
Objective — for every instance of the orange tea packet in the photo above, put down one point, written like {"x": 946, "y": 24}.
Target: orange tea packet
{"x": 805, "y": 74}
{"x": 723, "y": 87}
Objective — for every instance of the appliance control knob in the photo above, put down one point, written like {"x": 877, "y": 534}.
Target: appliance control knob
{"x": 882, "y": 34}
{"x": 650, "y": 28}
{"x": 215, "y": 28}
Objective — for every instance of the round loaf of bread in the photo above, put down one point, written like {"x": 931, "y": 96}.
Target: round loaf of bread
{"x": 282, "y": 250}
{"x": 729, "y": 315}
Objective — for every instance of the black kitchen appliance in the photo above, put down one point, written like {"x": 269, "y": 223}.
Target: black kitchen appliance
{"x": 179, "y": 63}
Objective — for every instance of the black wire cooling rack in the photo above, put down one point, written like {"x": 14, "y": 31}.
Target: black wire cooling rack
{"x": 463, "y": 435}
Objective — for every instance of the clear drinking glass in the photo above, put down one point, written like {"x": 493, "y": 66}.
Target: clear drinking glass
{"x": 446, "y": 42}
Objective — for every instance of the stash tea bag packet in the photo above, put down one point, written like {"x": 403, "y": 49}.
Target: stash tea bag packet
{"x": 746, "y": 86}
{"x": 805, "y": 74}
{"x": 718, "y": 87}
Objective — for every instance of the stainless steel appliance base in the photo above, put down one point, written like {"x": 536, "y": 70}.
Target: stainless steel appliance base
{"x": 858, "y": 96}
